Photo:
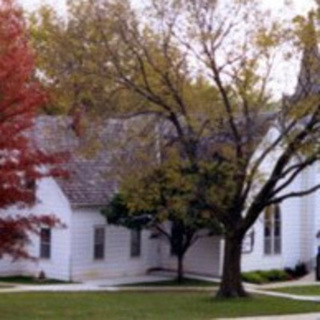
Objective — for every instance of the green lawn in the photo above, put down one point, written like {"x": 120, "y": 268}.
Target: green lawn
{"x": 302, "y": 290}
{"x": 140, "y": 306}
{"x": 169, "y": 283}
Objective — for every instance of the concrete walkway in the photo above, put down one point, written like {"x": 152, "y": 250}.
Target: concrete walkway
{"x": 112, "y": 285}
{"x": 308, "y": 280}
{"x": 119, "y": 284}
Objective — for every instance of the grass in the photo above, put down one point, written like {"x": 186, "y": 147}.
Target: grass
{"x": 141, "y": 306}
{"x": 174, "y": 283}
{"x": 29, "y": 280}
{"x": 301, "y": 290}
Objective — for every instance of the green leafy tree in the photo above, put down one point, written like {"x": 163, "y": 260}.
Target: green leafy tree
{"x": 204, "y": 68}
{"x": 72, "y": 64}
{"x": 166, "y": 194}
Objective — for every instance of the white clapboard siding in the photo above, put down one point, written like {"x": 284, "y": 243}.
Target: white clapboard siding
{"x": 8, "y": 267}
{"x": 297, "y": 234}
{"x": 316, "y": 203}
{"x": 117, "y": 261}
{"x": 50, "y": 200}
{"x": 53, "y": 201}
{"x": 203, "y": 257}
{"x": 295, "y": 226}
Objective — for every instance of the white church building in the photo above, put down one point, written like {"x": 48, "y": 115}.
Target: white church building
{"x": 88, "y": 248}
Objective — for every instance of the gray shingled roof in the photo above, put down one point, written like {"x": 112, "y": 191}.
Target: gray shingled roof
{"x": 91, "y": 168}
{"x": 88, "y": 183}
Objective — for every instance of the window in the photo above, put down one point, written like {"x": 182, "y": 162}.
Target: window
{"x": 45, "y": 243}
{"x": 272, "y": 230}
{"x": 135, "y": 243}
{"x": 99, "y": 240}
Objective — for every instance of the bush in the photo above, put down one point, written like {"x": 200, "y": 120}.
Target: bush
{"x": 290, "y": 272}
{"x": 253, "y": 277}
{"x": 265, "y": 276}
{"x": 276, "y": 275}
{"x": 298, "y": 271}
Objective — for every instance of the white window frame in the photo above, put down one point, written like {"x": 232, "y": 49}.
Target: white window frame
{"x": 99, "y": 242}
{"x": 45, "y": 244}
{"x": 135, "y": 243}
{"x": 272, "y": 230}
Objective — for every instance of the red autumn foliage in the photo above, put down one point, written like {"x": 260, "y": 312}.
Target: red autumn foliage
{"x": 15, "y": 233}
{"x": 21, "y": 163}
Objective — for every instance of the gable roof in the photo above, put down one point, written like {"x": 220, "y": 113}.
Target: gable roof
{"x": 88, "y": 183}
{"x": 91, "y": 163}
{"x": 309, "y": 74}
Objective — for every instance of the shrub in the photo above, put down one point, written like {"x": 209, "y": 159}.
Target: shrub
{"x": 290, "y": 272}
{"x": 298, "y": 271}
{"x": 253, "y": 277}
{"x": 265, "y": 276}
{"x": 276, "y": 275}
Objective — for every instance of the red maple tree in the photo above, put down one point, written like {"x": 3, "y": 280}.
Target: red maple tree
{"x": 21, "y": 163}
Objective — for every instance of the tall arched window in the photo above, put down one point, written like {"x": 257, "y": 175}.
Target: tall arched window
{"x": 272, "y": 230}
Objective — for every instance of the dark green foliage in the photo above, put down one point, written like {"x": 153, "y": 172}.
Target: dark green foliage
{"x": 301, "y": 269}
{"x": 117, "y": 213}
{"x": 298, "y": 271}
{"x": 253, "y": 277}
{"x": 277, "y": 275}
{"x": 265, "y": 276}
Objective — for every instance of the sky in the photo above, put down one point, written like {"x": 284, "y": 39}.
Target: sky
{"x": 283, "y": 82}
{"x": 32, "y": 4}
{"x": 297, "y": 5}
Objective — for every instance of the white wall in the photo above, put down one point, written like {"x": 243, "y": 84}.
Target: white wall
{"x": 203, "y": 257}
{"x": 297, "y": 222}
{"x": 298, "y": 231}
{"x": 315, "y": 205}
{"x": 8, "y": 267}
{"x": 117, "y": 261}
{"x": 50, "y": 200}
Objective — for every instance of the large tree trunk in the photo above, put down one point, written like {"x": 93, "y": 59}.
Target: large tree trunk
{"x": 180, "y": 268}
{"x": 231, "y": 284}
